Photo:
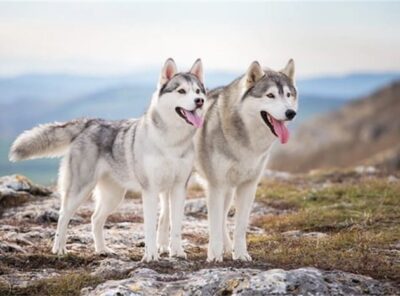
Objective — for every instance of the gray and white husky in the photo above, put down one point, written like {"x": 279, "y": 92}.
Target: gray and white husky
{"x": 241, "y": 123}
{"x": 153, "y": 154}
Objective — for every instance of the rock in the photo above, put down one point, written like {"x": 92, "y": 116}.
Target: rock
{"x": 111, "y": 267}
{"x": 16, "y": 189}
{"x": 362, "y": 170}
{"x": 277, "y": 175}
{"x": 299, "y": 233}
{"x": 7, "y": 247}
{"x": 232, "y": 281}
{"x": 196, "y": 207}
{"x": 48, "y": 216}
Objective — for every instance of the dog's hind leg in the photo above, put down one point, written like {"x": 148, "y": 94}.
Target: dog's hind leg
{"x": 227, "y": 207}
{"x": 163, "y": 224}
{"x": 245, "y": 195}
{"x": 108, "y": 196}
{"x": 74, "y": 191}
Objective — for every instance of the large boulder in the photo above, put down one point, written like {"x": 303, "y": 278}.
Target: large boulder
{"x": 231, "y": 281}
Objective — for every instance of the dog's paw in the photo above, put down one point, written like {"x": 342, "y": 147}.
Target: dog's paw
{"x": 163, "y": 249}
{"x": 60, "y": 251}
{"x": 150, "y": 257}
{"x": 177, "y": 253}
{"x": 242, "y": 256}
{"x": 105, "y": 251}
{"x": 211, "y": 258}
{"x": 215, "y": 252}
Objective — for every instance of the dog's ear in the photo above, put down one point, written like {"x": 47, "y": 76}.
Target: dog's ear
{"x": 167, "y": 72}
{"x": 289, "y": 69}
{"x": 253, "y": 74}
{"x": 197, "y": 70}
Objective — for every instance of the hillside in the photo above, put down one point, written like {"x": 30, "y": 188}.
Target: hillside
{"x": 366, "y": 131}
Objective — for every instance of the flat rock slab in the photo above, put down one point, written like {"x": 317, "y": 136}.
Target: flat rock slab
{"x": 231, "y": 281}
{"x": 16, "y": 190}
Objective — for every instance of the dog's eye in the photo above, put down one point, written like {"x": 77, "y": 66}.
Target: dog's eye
{"x": 182, "y": 91}
{"x": 197, "y": 91}
{"x": 271, "y": 96}
{"x": 288, "y": 95}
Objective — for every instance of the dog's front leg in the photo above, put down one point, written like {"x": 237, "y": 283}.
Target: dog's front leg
{"x": 215, "y": 205}
{"x": 245, "y": 195}
{"x": 178, "y": 194}
{"x": 150, "y": 207}
{"x": 163, "y": 228}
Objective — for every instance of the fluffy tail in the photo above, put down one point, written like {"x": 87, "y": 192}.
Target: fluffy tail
{"x": 47, "y": 140}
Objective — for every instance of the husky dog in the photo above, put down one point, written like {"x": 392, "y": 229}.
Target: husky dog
{"x": 153, "y": 154}
{"x": 242, "y": 121}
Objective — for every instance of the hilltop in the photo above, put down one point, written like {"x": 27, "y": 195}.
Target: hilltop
{"x": 365, "y": 131}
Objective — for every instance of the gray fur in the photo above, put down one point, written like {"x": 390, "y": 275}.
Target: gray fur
{"x": 47, "y": 139}
{"x": 177, "y": 81}
{"x": 270, "y": 79}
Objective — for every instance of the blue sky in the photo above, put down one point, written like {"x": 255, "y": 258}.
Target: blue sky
{"x": 117, "y": 38}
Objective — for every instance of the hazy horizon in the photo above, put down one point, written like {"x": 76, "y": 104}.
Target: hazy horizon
{"x": 104, "y": 38}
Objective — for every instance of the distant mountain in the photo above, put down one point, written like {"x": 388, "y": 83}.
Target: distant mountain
{"x": 32, "y": 99}
{"x": 55, "y": 88}
{"x": 114, "y": 103}
{"x": 61, "y": 87}
{"x": 365, "y": 131}
{"x": 346, "y": 87}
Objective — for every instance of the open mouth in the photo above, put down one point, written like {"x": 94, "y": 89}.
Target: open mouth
{"x": 190, "y": 116}
{"x": 277, "y": 127}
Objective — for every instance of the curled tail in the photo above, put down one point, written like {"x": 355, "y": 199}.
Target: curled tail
{"x": 47, "y": 140}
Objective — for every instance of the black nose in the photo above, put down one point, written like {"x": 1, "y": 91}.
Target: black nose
{"x": 290, "y": 114}
{"x": 199, "y": 102}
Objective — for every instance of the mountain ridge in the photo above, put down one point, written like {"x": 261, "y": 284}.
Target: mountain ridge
{"x": 355, "y": 134}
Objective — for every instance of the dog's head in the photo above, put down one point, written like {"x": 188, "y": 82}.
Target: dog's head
{"x": 182, "y": 94}
{"x": 271, "y": 97}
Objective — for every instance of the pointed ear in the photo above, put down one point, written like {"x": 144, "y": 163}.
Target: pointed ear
{"x": 289, "y": 69}
{"x": 254, "y": 73}
{"x": 167, "y": 72}
{"x": 197, "y": 70}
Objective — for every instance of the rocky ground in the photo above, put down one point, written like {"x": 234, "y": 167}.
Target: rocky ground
{"x": 321, "y": 234}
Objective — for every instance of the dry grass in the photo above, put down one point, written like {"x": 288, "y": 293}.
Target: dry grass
{"x": 361, "y": 220}
{"x": 68, "y": 284}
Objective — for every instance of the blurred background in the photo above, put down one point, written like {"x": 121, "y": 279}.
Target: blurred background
{"x": 60, "y": 61}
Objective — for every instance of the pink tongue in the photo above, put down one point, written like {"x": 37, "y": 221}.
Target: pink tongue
{"x": 196, "y": 120}
{"x": 281, "y": 130}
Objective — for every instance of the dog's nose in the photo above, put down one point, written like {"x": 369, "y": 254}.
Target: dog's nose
{"x": 199, "y": 102}
{"x": 290, "y": 114}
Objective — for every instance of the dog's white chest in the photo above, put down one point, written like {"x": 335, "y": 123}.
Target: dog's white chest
{"x": 167, "y": 171}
